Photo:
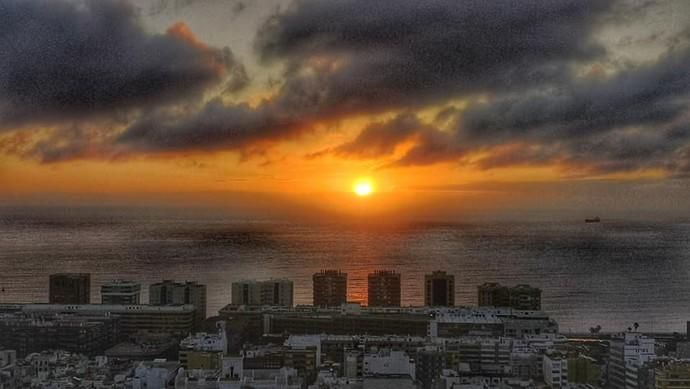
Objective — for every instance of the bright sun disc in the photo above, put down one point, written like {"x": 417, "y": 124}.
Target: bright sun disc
{"x": 363, "y": 188}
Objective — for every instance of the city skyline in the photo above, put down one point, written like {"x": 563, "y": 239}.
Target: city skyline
{"x": 345, "y": 194}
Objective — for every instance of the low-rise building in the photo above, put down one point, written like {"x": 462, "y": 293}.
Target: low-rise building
{"x": 204, "y": 351}
{"x": 673, "y": 374}
{"x": 387, "y": 363}
{"x": 175, "y": 320}
{"x": 88, "y": 335}
{"x": 8, "y": 369}
{"x": 523, "y": 297}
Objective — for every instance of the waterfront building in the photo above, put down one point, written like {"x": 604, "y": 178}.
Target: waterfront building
{"x": 121, "y": 292}
{"x": 330, "y": 288}
{"x": 275, "y": 292}
{"x": 521, "y": 296}
{"x": 383, "y": 289}
{"x": 253, "y": 322}
{"x": 70, "y": 288}
{"x": 176, "y": 320}
{"x": 439, "y": 289}
{"x": 169, "y": 292}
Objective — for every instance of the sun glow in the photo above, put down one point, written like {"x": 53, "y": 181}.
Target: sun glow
{"x": 363, "y": 188}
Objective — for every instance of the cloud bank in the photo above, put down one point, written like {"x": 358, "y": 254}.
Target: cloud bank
{"x": 70, "y": 61}
{"x": 521, "y": 70}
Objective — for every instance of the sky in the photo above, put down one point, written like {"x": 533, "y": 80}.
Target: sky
{"x": 447, "y": 108}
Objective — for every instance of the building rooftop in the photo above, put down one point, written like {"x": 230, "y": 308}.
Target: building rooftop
{"x": 112, "y": 308}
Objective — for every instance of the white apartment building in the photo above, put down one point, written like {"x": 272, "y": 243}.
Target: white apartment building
{"x": 628, "y": 351}
{"x": 555, "y": 368}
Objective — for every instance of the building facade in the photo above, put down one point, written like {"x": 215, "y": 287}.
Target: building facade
{"x": 275, "y": 292}
{"x": 70, "y": 288}
{"x": 429, "y": 365}
{"x": 555, "y": 367}
{"x": 202, "y": 350}
{"x": 520, "y": 296}
{"x": 169, "y": 292}
{"x": 176, "y": 320}
{"x": 36, "y": 332}
{"x": 628, "y": 352}
{"x": 121, "y": 292}
{"x": 330, "y": 288}
{"x": 384, "y": 289}
{"x": 439, "y": 289}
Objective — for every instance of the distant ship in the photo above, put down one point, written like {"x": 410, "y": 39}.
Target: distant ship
{"x": 594, "y": 220}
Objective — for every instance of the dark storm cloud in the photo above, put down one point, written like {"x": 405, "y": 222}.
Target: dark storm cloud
{"x": 409, "y": 52}
{"x": 514, "y": 63}
{"x": 653, "y": 94}
{"x": 217, "y": 126}
{"x": 69, "y": 60}
{"x": 637, "y": 119}
{"x": 400, "y": 54}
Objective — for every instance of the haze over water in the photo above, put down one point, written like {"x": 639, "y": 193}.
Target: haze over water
{"x": 613, "y": 273}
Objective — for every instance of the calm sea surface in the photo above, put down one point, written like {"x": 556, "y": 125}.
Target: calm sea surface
{"x": 612, "y": 273}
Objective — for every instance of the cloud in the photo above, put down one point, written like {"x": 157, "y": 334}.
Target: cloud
{"x": 650, "y": 95}
{"x": 517, "y": 70}
{"x": 637, "y": 119}
{"x": 403, "y": 54}
{"x": 379, "y": 138}
{"x": 414, "y": 53}
{"x": 216, "y": 127}
{"x": 74, "y": 60}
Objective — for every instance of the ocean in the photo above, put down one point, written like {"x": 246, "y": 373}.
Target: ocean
{"x": 611, "y": 273}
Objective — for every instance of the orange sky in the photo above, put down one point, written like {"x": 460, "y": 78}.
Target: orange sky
{"x": 242, "y": 119}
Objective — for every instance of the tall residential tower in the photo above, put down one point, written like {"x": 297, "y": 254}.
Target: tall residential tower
{"x": 277, "y": 292}
{"x": 439, "y": 289}
{"x": 70, "y": 288}
{"x": 330, "y": 288}
{"x": 384, "y": 288}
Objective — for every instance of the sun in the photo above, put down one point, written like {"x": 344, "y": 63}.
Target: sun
{"x": 363, "y": 188}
